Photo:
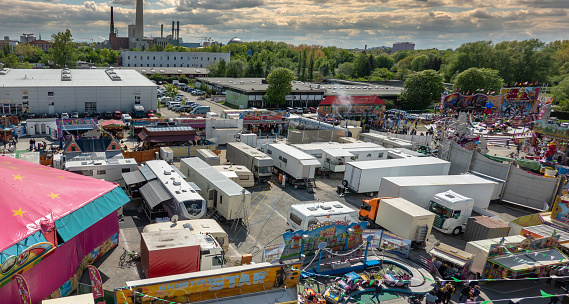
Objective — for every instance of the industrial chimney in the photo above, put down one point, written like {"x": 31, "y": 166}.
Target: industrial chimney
{"x": 112, "y": 22}
{"x": 161, "y": 30}
{"x": 178, "y": 31}
{"x": 173, "y": 29}
{"x": 139, "y": 29}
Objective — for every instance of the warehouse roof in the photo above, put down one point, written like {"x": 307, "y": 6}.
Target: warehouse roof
{"x": 352, "y": 100}
{"x": 79, "y": 78}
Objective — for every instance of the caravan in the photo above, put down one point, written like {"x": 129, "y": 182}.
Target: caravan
{"x": 304, "y": 216}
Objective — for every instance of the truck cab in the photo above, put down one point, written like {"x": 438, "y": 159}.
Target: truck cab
{"x": 368, "y": 211}
{"x": 212, "y": 255}
{"x": 452, "y": 211}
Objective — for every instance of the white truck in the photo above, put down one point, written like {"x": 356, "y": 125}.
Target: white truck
{"x": 298, "y": 167}
{"x": 420, "y": 189}
{"x": 256, "y": 161}
{"x": 399, "y": 216}
{"x": 303, "y": 216}
{"x": 365, "y": 176}
{"x": 452, "y": 211}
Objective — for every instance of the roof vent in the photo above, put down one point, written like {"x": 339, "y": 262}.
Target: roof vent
{"x": 311, "y": 208}
{"x": 4, "y": 71}
{"x": 177, "y": 183}
{"x": 325, "y": 207}
{"x": 178, "y": 192}
{"x": 98, "y": 163}
{"x": 338, "y": 206}
{"x": 167, "y": 172}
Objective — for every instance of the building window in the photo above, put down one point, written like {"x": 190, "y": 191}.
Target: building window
{"x": 87, "y": 172}
{"x": 49, "y": 93}
{"x": 207, "y": 58}
{"x": 73, "y": 149}
{"x": 202, "y": 59}
{"x": 174, "y": 58}
{"x": 153, "y": 57}
{"x": 101, "y": 172}
{"x": 168, "y": 58}
{"x": 174, "y": 65}
{"x": 91, "y": 106}
{"x": 244, "y": 177}
{"x": 269, "y": 152}
{"x": 147, "y": 57}
{"x": 134, "y": 57}
{"x": 181, "y": 58}
{"x": 128, "y": 57}
{"x": 168, "y": 65}
{"x": 129, "y": 65}
{"x": 25, "y": 97}
{"x": 124, "y": 170}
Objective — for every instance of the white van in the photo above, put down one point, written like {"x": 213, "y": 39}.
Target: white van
{"x": 304, "y": 216}
{"x": 211, "y": 114}
{"x": 126, "y": 119}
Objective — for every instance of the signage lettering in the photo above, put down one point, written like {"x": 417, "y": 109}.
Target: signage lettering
{"x": 218, "y": 283}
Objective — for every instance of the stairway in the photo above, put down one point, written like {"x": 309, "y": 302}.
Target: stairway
{"x": 310, "y": 184}
{"x": 213, "y": 214}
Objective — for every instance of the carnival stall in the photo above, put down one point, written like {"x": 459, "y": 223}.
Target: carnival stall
{"x": 113, "y": 128}
{"x": 451, "y": 262}
{"x": 55, "y": 224}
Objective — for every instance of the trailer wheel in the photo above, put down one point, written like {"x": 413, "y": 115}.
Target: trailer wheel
{"x": 345, "y": 183}
{"x": 457, "y": 230}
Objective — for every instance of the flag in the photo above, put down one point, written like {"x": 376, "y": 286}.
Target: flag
{"x": 531, "y": 84}
{"x": 96, "y": 285}
{"x": 467, "y": 92}
{"x": 516, "y": 84}
{"x": 525, "y": 83}
{"x": 492, "y": 92}
{"x": 23, "y": 290}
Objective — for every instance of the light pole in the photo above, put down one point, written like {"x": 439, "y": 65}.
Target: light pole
{"x": 368, "y": 242}
{"x": 321, "y": 247}
{"x": 348, "y": 232}
{"x": 304, "y": 239}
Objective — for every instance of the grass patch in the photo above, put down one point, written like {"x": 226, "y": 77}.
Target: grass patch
{"x": 227, "y": 104}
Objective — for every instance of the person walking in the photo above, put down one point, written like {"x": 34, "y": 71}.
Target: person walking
{"x": 464, "y": 294}
{"x": 430, "y": 298}
{"x": 378, "y": 291}
{"x": 508, "y": 144}
{"x": 448, "y": 292}
{"x": 553, "y": 300}
{"x": 476, "y": 292}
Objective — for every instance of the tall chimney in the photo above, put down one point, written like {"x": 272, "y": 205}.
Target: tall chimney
{"x": 112, "y": 21}
{"x": 178, "y": 31}
{"x": 173, "y": 29}
{"x": 161, "y": 30}
{"x": 139, "y": 29}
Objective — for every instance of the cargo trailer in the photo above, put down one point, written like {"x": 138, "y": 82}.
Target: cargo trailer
{"x": 259, "y": 163}
{"x": 208, "y": 156}
{"x": 365, "y": 176}
{"x": 297, "y": 166}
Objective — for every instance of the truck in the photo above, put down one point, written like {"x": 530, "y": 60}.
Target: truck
{"x": 303, "y": 216}
{"x": 138, "y": 111}
{"x": 399, "y": 216}
{"x": 452, "y": 211}
{"x": 198, "y": 226}
{"x": 366, "y": 176}
{"x": 298, "y": 167}
{"x": 258, "y": 162}
{"x": 420, "y": 189}
{"x": 172, "y": 252}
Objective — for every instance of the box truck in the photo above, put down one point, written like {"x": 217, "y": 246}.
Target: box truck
{"x": 258, "y": 162}
{"x": 303, "y": 216}
{"x": 452, "y": 211}
{"x": 420, "y": 189}
{"x": 171, "y": 252}
{"x": 399, "y": 216}
{"x": 298, "y": 167}
{"x": 365, "y": 176}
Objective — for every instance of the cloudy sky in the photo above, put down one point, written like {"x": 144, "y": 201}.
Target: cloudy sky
{"x": 344, "y": 23}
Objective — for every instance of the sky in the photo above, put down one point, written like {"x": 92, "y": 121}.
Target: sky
{"x": 441, "y": 24}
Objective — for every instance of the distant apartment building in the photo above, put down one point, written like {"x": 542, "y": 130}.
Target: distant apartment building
{"x": 170, "y": 59}
{"x": 402, "y": 46}
{"x": 26, "y": 38}
{"x": 42, "y": 44}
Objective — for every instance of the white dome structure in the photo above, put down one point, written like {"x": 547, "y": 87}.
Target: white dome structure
{"x": 235, "y": 40}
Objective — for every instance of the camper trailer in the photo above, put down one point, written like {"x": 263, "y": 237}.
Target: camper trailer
{"x": 208, "y": 156}
{"x": 295, "y": 165}
{"x": 239, "y": 174}
{"x": 224, "y": 195}
{"x": 303, "y": 216}
{"x": 256, "y": 161}
{"x": 166, "y": 193}
{"x": 109, "y": 170}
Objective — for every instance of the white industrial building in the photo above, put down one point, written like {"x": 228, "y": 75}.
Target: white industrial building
{"x": 83, "y": 90}
{"x": 170, "y": 59}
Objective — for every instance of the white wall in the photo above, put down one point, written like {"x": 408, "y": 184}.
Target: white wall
{"x": 170, "y": 59}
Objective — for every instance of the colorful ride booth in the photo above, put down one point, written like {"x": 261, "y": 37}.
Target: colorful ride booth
{"x": 166, "y": 136}
{"x": 451, "y": 262}
{"x": 533, "y": 257}
{"x": 78, "y": 127}
{"x": 55, "y": 224}
{"x": 256, "y": 283}
{"x": 113, "y": 128}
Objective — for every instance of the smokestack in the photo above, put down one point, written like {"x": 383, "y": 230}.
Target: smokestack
{"x": 173, "y": 29}
{"x": 112, "y": 21}
{"x": 161, "y": 30}
{"x": 178, "y": 31}
{"x": 139, "y": 29}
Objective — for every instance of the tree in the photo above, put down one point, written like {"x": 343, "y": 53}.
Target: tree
{"x": 280, "y": 85}
{"x": 361, "y": 65}
{"x": 419, "y": 63}
{"x": 420, "y": 90}
{"x": 303, "y": 66}
{"x": 171, "y": 90}
{"x": 12, "y": 61}
{"x": 380, "y": 74}
{"x": 561, "y": 92}
{"x": 63, "y": 50}
{"x": 30, "y": 52}
{"x": 475, "y": 79}
{"x": 384, "y": 61}
{"x": 311, "y": 66}
{"x": 222, "y": 68}
{"x": 346, "y": 68}
{"x": 236, "y": 68}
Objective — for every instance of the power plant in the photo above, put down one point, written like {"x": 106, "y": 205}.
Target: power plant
{"x": 135, "y": 38}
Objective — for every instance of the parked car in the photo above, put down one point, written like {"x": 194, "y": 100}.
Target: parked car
{"x": 64, "y": 115}
{"x": 201, "y": 110}
{"x": 305, "y": 110}
{"x": 150, "y": 113}
{"x": 312, "y": 109}
{"x": 299, "y": 110}
{"x": 290, "y": 110}
{"x": 108, "y": 115}
{"x": 74, "y": 115}
{"x": 117, "y": 115}
{"x": 85, "y": 114}
{"x": 97, "y": 115}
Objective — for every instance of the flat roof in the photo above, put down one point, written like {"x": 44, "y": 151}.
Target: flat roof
{"x": 315, "y": 208}
{"x": 485, "y": 244}
{"x": 215, "y": 177}
{"x": 461, "y": 179}
{"x": 407, "y": 207}
{"x": 534, "y": 259}
{"x": 162, "y": 70}
{"x": 292, "y": 151}
{"x": 397, "y": 162}
{"x": 79, "y": 78}
{"x": 101, "y": 162}
{"x": 335, "y": 145}
{"x": 256, "y": 85}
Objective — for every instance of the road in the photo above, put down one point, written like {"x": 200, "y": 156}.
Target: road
{"x": 214, "y": 106}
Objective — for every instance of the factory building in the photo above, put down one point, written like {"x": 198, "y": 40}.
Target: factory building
{"x": 135, "y": 59}
{"x": 47, "y": 91}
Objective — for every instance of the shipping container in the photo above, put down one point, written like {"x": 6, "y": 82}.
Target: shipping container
{"x": 421, "y": 189}
{"x": 405, "y": 219}
{"x": 483, "y": 227}
{"x": 258, "y": 162}
{"x": 365, "y": 176}
{"x": 170, "y": 252}
{"x": 208, "y": 157}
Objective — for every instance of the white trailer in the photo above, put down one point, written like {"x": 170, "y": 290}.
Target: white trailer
{"x": 208, "y": 156}
{"x": 224, "y": 195}
{"x": 421, "y": 189}
{"x": 259, "y": 163}
{"x": 386, "y": 141}
{"x": 405, "y": 219}
{"x": 303, "y": 216}
{"x": 295, "y": 164}
{"x": 109, "y": 170}
{"x": 239, "y": 174}
{"x": 365, "y": 176}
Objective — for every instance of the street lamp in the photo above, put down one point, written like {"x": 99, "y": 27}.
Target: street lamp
{"x": 348, "y": 232}
{"x": 304, "y": 239}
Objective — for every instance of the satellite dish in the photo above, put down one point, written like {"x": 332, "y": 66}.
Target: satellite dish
{"x": 174, "y": 219}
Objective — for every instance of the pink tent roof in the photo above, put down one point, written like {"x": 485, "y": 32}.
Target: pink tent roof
{"x": 33, "y": 195}
{"x": 105, "y": 123}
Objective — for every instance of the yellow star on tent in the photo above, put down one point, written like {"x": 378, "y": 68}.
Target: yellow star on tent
{"x": 61, "y": 177}
{"x": 19, "y": 212}
{"x": 54, "y": 195}
{"x": 12, "y": 167}
{"x": 18, "y": 177}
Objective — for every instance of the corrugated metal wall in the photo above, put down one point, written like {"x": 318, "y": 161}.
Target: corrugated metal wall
{"x": 528, "y": 189}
